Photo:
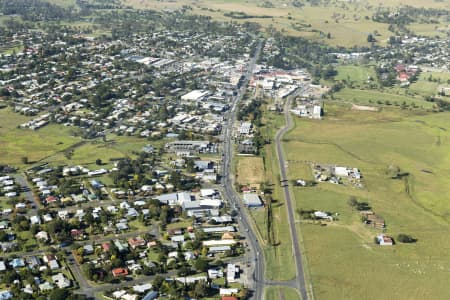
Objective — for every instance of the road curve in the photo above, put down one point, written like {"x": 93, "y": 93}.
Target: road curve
{"x": 285, "y": 186}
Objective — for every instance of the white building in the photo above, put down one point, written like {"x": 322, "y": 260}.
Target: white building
{"x": 195, "y": 95}
{"x": 232, "y": 272}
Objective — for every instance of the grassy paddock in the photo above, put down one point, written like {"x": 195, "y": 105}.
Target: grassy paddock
{"x": 418, "y": 144}
{"x": 389, "y": 97}
{"x": 355, "y": 73}
{"x": 16, "y": 143}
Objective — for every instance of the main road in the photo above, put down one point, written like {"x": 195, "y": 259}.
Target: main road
{"x": 256, "y": 253}
{"x": 300, "y": 280}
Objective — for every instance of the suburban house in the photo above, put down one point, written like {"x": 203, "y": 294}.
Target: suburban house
{"x": 252, "y": 200}
{"x": 385, "y": 240}
{"x": 119, "y": 272}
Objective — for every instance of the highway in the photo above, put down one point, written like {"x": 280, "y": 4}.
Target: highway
{"x": 256, "y": 252}
{"x": 300, "y": 279}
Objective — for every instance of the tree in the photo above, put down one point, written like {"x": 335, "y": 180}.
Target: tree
{"x": 370, "y": 38}
{"x": 88, "y": 270}
{"x": 59, "y": 294}
{"x": 157, "y": 282}
{"x": 24, "y": 160}
{"x": 98, "y": 162}
{"x": 184, "y": 271}
{"x": 10, "y": 276}
{"x": 3, "y": 236}
{"x": 405, "y": 238}
{"x": 201, "y": 264}
{"x": 200, "y": 289}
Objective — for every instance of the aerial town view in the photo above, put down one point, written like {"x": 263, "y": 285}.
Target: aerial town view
{"x": 224, "y": 149}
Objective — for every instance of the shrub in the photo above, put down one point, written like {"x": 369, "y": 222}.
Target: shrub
{"x": 406, "y": 239}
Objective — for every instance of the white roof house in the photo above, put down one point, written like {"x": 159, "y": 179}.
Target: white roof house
{"x": 142, "y": 288}
{"x": 61, "y": 281}
{"x": 232, "y": 269}
{"x": 195, "y": 95}
{"x": 212, "y": 243}
{"x": 341, "y": 171}
{"x": 35, "y": 220}
{"x": 252, "y": 200}
{"x": 207, "y": 193}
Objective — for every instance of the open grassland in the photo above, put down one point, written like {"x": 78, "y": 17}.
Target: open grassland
{"x": 372, "y": 141}
{"x": 355, "y": 73}
{"x": 250, "y": 170}
{"x": 394, "y": 97}
{"x": 280, "y": 292}
{"x": 16, "y": 143}
{"x": 347, "y": 23}
{"x": 65, "y": 3}
{"x": 116, "y": 147}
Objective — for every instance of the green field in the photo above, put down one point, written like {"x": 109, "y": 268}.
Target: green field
{"x": 358, "y": 75}
{"x": 16, "y": 143}
{"x": 389, "y": 97}
{"x": 279, "y": 292}
{"x": 343, "y": 261}
{"x": 114, "y": 148}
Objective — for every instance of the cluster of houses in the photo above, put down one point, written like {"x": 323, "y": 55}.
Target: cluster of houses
{"x": 336, "y": 174}
{"x": 190, "y": 72}
{"x": 38, "y": 263}
{"x": 8, "y": 186}
{"x": 177, "y": 239}
{"x": 139, "y": 291}
{"x": 37, "y": 122}
{"x": 405, "y": 74}
{"x": 310, "y": 110}
{"x": 427, "y": 51}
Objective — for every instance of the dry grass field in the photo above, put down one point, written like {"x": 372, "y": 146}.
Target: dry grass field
{"x": 250, "y": 170}
{"x": 348, "y": 23}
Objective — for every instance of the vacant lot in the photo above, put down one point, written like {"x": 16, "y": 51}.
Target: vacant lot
{"x": 116, "y": 147}
{"x": 16, "y": 143}
{"x": 373, "y": 141}
{"x": 250, "y": 170}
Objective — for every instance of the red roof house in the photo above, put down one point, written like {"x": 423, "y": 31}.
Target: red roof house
{"x": 119, "y": 272}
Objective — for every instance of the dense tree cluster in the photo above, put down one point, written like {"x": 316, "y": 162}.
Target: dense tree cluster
{"x": 36, "y": 10}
